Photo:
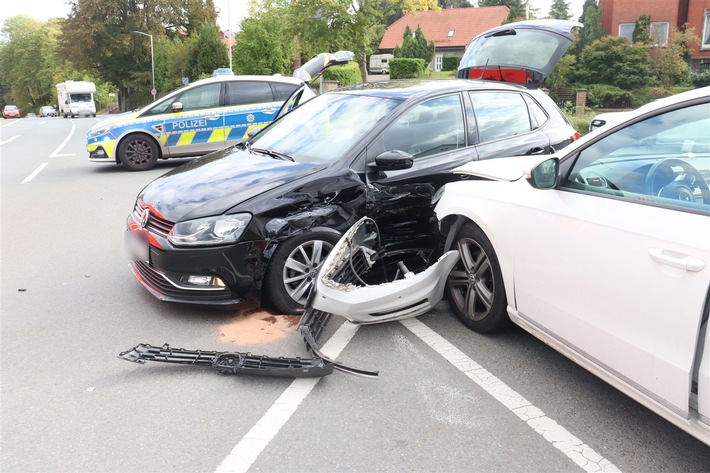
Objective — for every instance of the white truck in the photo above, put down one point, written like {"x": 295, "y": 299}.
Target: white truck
{"x": 76, "y": 98}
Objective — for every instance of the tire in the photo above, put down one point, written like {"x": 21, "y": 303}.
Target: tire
{"x": 138, "y": 153}
{"x": 293, "y": 269}
{"x": 475, "y": 286}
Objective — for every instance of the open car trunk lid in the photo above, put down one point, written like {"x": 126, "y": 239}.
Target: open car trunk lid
{"x": 524, "y": 52}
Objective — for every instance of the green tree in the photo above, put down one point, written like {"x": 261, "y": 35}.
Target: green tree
{"x": 642, "y": 30}
{"x": 328, "y": 25}
{"x": 28, "y": 58}
{"x": 170, "y": 58}
{"x": 415, "y": 46}
{"x": 518, "y": 8}
{"x": 206, "y": 54}
{"x": 592, "y": 29}
{"x": 98, "y": 37}
{"x": 614, "y": 61}
{"x": 560, "y": 10}
{"x": 264, "y": 44}
{"x": 669, "y": 64}
{"x": 454, "y": 4}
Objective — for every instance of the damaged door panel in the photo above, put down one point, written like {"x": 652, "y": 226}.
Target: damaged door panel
{"x": 358, "y": 281}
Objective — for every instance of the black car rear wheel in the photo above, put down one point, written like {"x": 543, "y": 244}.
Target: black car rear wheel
{"x": 293, "y": 269}
{"x": 138, "y": 153}
{"x": 475, "y": 285}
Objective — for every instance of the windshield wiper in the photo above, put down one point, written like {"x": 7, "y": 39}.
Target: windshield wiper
{"x": 274, "y": 154}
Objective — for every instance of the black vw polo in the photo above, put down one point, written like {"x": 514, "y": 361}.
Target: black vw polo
{"x": 262, "y": 215}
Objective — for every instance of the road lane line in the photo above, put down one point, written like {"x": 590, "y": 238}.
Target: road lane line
{"x": 558, "y": 436}
{"x": 9, "y": 140}
{"x": 36, "y": 171}
{"x": 11, "y": 123}
{"x": 66, "y": 140}
{"x": 245, "y": 453}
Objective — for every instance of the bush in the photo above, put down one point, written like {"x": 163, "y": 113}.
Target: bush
{"x": 609, "y": 96}
{"x": 700, "y": 79}
{"x": 347, "y": 74}
{"x": 407, "y": 68}
{"x": 450, "y": 63}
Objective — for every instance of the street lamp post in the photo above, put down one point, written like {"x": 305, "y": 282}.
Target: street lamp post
{"x": 152, "y": 61}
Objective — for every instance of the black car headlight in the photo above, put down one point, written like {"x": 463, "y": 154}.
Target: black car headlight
{"x": 219, "y": 230}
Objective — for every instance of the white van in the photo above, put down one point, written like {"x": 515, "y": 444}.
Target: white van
{"x": 380, "y": 63}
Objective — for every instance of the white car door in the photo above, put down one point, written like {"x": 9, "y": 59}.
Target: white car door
{"x": 616, "y": 264}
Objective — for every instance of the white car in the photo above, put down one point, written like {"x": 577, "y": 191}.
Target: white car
{"x": 602, "y": 251}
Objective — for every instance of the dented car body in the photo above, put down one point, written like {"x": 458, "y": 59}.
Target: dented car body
{"x": 261, "y": 216}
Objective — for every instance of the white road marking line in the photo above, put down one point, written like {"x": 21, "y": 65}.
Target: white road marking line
{"x": 11, "y": 122}
{"x": 9, "y": 140}
{"x": 36, "y": 171}
{"x": 558, "y": 436}
{"x": 245, "y": 453}
{"x": 66, "y": 140}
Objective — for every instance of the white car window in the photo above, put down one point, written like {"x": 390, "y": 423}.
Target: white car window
{"x": 206, "y": 96}
{"x": 663, "y": 160}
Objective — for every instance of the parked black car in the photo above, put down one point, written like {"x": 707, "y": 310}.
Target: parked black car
{"x": 263, "y": 214}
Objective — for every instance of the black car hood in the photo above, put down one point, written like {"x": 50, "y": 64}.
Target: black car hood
{"x": 217, "y": 182}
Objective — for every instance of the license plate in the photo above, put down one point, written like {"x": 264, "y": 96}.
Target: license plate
{"x": 137, "y": 246}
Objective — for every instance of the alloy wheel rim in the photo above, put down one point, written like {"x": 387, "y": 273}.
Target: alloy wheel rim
{"x": 302, "y": 266}
{"x": 471, "y": 281}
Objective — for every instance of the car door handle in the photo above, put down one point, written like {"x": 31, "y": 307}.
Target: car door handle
{"x": 677, "y": 260}
{"x": 269, "y": 111}
{"x": 212, "y": 117}
{"x": 537, "y": 151}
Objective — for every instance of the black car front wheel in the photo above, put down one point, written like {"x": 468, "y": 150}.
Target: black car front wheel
{"x": 293, "y": 269}
{"x": 138, "y": 153}
{"x": 475, "y": 285}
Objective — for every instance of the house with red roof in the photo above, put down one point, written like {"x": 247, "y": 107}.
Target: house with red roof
{"x": 450, "y": 29}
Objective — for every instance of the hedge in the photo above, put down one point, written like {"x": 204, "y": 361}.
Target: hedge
{"x": 450, "y": 63}
{"x": 407, "y": 68}
{"x": 347, "y": 74}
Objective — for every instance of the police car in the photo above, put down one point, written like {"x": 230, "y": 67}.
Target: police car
{"x": 202, "y": 117}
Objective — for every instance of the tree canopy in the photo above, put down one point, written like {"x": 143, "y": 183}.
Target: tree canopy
{"x": 613, "y": 60}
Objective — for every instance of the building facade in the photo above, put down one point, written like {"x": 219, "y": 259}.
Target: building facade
{"x": 619, "y": 18}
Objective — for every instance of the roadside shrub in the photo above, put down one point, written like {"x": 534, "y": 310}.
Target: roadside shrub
{"x": 347, "y": 74}
{"x": 450, "y": 63}
{"x": 700, "y": 79}
{"x": 609, "y": 96}
{"x": 407, "y": 68}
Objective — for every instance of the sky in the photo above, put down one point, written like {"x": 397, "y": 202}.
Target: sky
{"x": 230, "y": 11}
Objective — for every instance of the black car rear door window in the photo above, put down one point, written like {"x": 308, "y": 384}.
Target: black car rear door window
{"x": 500, "y": 114}
{"x": 431, "y": 127}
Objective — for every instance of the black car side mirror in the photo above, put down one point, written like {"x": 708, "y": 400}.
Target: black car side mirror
{"x": 394, "y": 160}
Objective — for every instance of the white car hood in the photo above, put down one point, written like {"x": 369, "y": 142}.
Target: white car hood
{"x": 502, "y": 169}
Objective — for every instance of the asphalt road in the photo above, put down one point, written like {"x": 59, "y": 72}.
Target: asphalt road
{"x": 447, "y": 399}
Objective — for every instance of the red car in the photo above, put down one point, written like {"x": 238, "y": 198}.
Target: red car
{"x": 11, "y": 111}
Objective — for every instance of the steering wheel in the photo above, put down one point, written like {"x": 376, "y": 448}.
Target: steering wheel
{"x": 663, "y": 181}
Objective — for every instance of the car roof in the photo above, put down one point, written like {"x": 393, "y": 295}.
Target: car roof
{"x": 403, "y": 89}
{"x": 225, "y": 78}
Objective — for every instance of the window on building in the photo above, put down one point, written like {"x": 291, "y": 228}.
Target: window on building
{"x": 627, "y": 31}
{"x": 451, "y": 33}
{"x": 659, "y": 33}
{"x": 705, "y": 43}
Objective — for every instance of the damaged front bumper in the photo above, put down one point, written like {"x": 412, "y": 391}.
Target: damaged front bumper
{"x": 349, "y": 285}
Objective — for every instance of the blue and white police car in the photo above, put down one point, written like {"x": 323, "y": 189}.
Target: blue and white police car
{"x": 205, "y": 116}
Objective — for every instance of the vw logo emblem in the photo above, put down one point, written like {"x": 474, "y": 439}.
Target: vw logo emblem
{"x": 144, "y": 217}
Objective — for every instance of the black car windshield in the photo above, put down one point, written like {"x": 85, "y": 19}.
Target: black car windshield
{"x": 323, "y": 129}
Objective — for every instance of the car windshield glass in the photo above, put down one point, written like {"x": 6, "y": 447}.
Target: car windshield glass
{"x": 80, "y": 97}
{"x": 323, "y": 129}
